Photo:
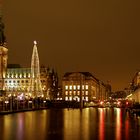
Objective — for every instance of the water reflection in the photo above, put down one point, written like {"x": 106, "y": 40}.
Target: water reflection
{"x": 55, "y": 126}
{"x": 127, "y": 126}
{"x": 101, "y": 124}
{"x": 118, "y": 124}
{"x": 72, "y": 124}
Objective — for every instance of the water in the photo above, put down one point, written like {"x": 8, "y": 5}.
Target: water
{"x": 72, "y": 124}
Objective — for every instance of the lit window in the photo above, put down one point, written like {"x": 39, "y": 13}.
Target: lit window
{"x": 86, "y": 98}
{"x": 74, "y": 87}
{"x": 86, "y": 86}
{"x": 83, "y": 86}
{"x": 86, "y": 92}
{"x": 70, "y": 87}
{"x": 70, "y": 92}
{"x": 70, "y": 98}
{"x": 78, "y": 87}
{"x": 66, "y": 87}
{"x": 66, "y": 98}
{"x": 66, "y": 93}
{"x": 78, "y": 92}
{"x": 82, "y": 92}
{"x": 74, "y": 92}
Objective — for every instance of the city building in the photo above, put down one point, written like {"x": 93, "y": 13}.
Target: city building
{"x": 83, "y": 86}
{"x": 17, "y": 81}
{"x": 133, "y": 93}
{"x": 136, "y": 81}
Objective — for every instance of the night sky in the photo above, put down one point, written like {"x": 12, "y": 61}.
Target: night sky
{"x": 98, "y": 36}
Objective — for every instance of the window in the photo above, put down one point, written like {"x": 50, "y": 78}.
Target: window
{"x": 74, "y": 87}
{"x": 86, "y": 92}
{"x": 66, "y": 87}
{"x": 66, "y": 98}
{"x": 70, "y": 93}
{"x": 78, "y": 92}
{"x": 86, "y": 86}
{"x": 66, "y": 92}
{"x": 78, "y": 87}
{"x": 86, "y": 98}
{"x": 70, "y": 98}
{"x": 70, "y": 87}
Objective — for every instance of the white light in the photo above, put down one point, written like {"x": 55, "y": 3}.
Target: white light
{"x": 6, "y": 102}
{"x": 86, "y": 86}
{"x": 78, "y": 87}
{"x": 35, "y": 42}
{"x": 66, "y": 87}
{"x": 70, "y": 87}
{"x": 86, "y": 98}
{"x": 66, "y": 98}
{"x": 74, "y": 87}
{"x": 70, "y": 98}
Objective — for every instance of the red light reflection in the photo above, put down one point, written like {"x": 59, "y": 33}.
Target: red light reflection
{"x": 101, "y": 124}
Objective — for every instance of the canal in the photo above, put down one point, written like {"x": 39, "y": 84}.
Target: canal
{"x": 70, "y": 124}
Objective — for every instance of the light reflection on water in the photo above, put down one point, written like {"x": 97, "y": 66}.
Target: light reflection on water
{"x": 118, "y": 124}
{"x": 72, "y": 124}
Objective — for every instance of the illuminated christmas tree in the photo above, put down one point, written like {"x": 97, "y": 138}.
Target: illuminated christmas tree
{"x": 35, "y": 83}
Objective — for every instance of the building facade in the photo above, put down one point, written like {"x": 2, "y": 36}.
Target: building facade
{"x": 135, "y": 81}
{"x": 83, "y": 86}
{"x": 17, "y": 81}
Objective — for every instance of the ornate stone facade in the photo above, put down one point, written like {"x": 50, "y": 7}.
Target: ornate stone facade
{"x": 17, "y": 81}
